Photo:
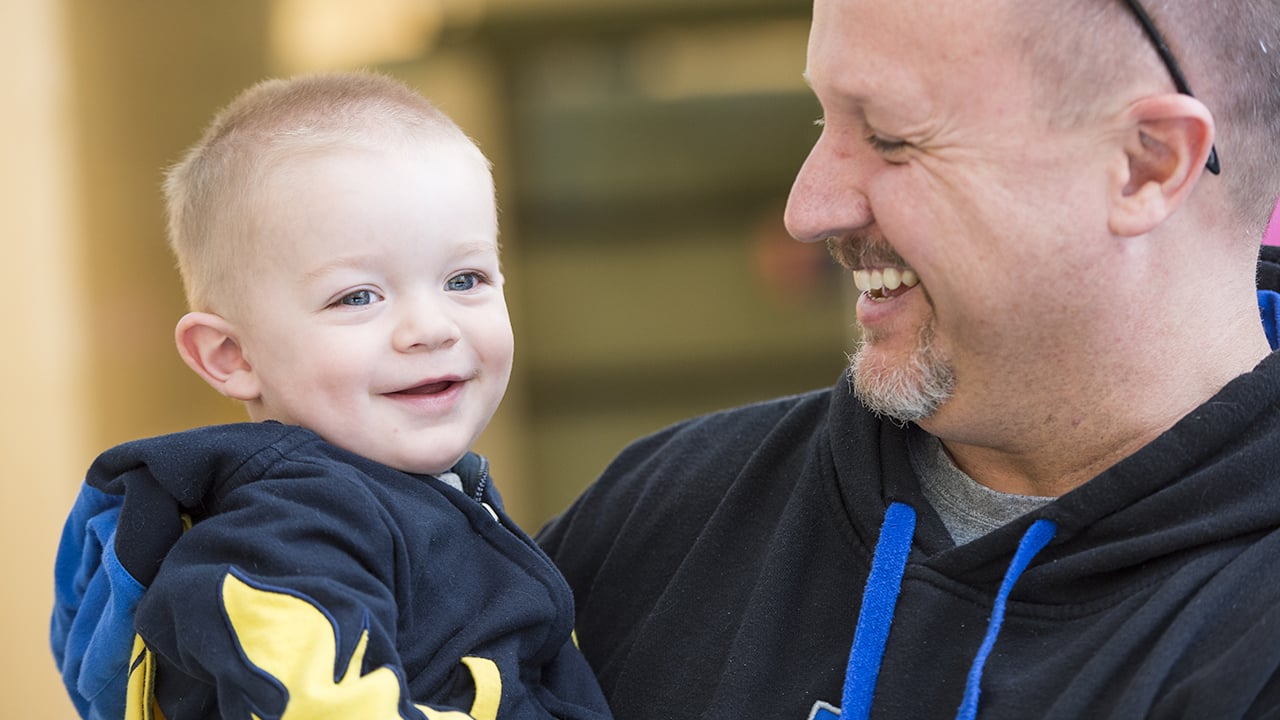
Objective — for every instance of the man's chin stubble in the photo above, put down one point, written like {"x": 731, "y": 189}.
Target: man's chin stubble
{"x": 908, "y": 392}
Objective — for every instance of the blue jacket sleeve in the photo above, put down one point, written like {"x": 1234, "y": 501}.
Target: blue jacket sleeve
{"x": 94, "y": 601}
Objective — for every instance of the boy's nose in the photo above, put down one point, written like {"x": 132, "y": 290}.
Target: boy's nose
{"x": 424, "y": 325}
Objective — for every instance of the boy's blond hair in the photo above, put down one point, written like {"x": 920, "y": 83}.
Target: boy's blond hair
{"x": 212, "y": 193}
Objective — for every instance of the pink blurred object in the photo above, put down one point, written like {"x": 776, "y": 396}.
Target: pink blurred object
{"x": 1272, "y": 235}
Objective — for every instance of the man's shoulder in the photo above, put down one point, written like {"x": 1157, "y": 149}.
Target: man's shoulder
{"x": 689, "y": 465}
{"x": 803, "y": 412}
{"x": 729, "y": 437}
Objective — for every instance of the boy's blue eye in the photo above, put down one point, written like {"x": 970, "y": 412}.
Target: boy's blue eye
{"x": 359, "y": 297}
{"x": 462, "y": 281}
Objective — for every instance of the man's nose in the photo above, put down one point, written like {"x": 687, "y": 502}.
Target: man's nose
{"x": 828, "y": 197}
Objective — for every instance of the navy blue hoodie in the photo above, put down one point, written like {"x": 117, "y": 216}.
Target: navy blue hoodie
{"x": 309, "y": 576}
{"x": 723, "y": 567}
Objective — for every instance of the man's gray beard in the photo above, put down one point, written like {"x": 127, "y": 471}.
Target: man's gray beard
{"x": 909, "y": 392}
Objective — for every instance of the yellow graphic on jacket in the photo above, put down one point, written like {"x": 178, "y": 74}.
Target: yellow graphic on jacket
{"x": 488, "y": 684}
{"x": 140, "y": 700}
{"x": 290, "y": 639}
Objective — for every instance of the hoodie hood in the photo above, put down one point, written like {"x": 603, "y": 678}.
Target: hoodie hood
{"x": 163, "y": 479}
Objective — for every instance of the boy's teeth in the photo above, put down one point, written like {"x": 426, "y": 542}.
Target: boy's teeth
{"x": 887, "y": 279}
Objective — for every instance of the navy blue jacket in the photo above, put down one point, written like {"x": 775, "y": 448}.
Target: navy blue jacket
{"x": 313, "y": 577}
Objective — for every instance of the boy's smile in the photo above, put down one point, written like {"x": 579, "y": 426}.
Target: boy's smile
{"x": 373, "y": 312}
{"x": 430, "y": 396}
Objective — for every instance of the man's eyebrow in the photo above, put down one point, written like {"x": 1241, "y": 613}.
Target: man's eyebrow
{"x": 857, "y": 98}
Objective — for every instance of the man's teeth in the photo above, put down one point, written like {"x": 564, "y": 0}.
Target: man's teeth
{"x": 886, "y": 279}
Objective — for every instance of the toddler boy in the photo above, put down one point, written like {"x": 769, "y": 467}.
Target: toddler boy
{"x": 347, "y": 555}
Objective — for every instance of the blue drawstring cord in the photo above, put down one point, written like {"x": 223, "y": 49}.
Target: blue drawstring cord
{"x": 1269, "y": 308}
{"x": 878, "y": 602}
{"x": 880, "y": 599}
{"x": 1033, "y": 541}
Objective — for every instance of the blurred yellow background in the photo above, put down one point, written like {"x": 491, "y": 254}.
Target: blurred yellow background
{"x": 642, "y": 148}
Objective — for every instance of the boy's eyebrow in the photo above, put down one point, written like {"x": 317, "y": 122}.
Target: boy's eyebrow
{"x": 478, "y": 247}
{"x": 465, "y": 249}
{"x": 343, "y": 261}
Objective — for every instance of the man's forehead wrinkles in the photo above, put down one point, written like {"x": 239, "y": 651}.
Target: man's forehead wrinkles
{"x": 898, "y": 95}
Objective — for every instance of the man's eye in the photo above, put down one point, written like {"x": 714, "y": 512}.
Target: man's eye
{"x": 884, "y": 146}
{"x": 463, "y": 281}
{"x": 359, "y": 297}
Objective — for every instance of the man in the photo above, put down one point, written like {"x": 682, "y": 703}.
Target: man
{"x": 1052, "y": 496}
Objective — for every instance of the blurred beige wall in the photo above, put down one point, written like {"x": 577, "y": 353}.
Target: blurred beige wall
{"x": 43, "y": 444}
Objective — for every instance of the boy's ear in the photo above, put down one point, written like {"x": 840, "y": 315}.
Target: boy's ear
{"x": 1168, "y": 143}
{"x": 209, "y": 345}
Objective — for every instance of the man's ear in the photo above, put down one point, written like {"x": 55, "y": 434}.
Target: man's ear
{"x": 210, "y": 346}
{"x": 1167, "y": 146}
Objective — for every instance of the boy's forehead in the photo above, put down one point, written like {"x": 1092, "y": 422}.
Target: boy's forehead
{"x": 443, "y": 193}
{"x": 316, "y": 166}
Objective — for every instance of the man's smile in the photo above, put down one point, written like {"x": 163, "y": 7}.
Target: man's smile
{"x": 883, "y": 283}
